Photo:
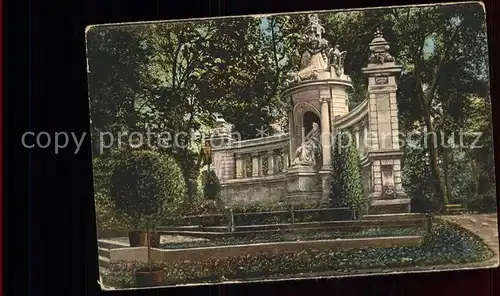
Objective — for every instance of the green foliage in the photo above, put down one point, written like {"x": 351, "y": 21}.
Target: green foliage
{"x": 346, "y": 184}
{"x": 211, "y": 186}
{"x": 107, "y": 217}
{"x": 146, "y": 186}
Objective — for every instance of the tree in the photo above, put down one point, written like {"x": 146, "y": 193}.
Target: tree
{"x": 145, "y": 186}
{"x": 443, "y": 50}
{"x": 346, "y": 185}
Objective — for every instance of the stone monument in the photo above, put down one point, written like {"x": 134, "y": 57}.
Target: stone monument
{"x": 317, "y": 93}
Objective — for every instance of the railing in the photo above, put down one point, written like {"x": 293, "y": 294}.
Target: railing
{"x": 232, "y": 220}
{"x": 261, "y": 157}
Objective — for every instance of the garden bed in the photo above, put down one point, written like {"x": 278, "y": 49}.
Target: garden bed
{"x": 285, "y": 236}
{"x": 446, "y": 244}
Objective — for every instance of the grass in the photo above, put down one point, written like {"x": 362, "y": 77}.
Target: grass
{"x": 284, "y": 236}
{"x": 445, "y": 244}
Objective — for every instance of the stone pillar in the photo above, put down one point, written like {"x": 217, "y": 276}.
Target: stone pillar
{"x": 240, "y": 166}
{"x": 384, "y": 152}
{"x": 365, "y": 138}
{"x": 270, "y": 162}
{"x": 356, "y": 138}
{"x": 256, "y": 165}
{"x": 325, "y": 133}
{"x": 223, "y": 162}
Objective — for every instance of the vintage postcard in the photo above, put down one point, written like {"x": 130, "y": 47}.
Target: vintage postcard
{"x": 292, "y": 146}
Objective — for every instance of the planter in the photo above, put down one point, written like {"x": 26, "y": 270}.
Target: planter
{"x": 138, "y": 239}
{"x": 146, "y": 278}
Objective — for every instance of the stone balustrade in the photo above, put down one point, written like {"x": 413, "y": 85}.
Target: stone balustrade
{"x": 258, "y": 157}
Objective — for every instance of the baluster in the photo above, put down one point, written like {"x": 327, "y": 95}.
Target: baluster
{"x": 256, "y": 165}
{"x": 285, "y": 160}
{"x": 270, "y": 162}
{"x": 240, "y": 166}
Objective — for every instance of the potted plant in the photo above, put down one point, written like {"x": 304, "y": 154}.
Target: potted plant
{"x": 146, "y": 187}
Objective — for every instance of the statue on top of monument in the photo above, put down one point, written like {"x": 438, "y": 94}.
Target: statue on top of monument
{"x": 314, "y": 59}
{"x": 311, "y": 147}
{"x": 336, "y": 60}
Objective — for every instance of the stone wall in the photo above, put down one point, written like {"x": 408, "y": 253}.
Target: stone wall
{"x": 270, "y": 189}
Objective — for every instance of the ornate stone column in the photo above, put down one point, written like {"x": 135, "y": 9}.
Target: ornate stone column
{"x": 325, "y": 133}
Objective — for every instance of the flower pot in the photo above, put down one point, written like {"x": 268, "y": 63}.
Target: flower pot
{"x": 138, "y": 239}
{"x": 146, "y": 278}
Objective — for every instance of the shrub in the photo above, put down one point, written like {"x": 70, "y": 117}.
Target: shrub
{"x": 211, "y": 186}
{"x": 346, "y": 183}
{"x": 146, "y": 186}
{"x": 202, "y": 207}
{"x": 106, "y": 216}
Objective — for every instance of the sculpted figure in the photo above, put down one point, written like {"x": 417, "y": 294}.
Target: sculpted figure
{"x": 307, "y": 152}
{"x": 336, "y": 59}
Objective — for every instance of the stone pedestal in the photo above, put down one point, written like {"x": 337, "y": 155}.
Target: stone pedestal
{"x": 303, "y": 184}
{"x": 325, "y": 182}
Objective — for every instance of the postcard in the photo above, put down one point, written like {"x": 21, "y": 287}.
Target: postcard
{"x": 292, "y": 146}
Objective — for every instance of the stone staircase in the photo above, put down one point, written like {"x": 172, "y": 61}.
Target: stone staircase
{"x": 390, "y": 206}
{"x": 104, "y": 246}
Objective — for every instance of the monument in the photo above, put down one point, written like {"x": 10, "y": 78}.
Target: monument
{"x": 299, "y": 161}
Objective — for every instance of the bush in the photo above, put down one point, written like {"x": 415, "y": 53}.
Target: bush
{"x": 211, "y": 186}
{"x": 346, "y": 183}
{"x": 106, "y": 216}
{"x": 146, "y": 186}
{"x": 202, "y": 207}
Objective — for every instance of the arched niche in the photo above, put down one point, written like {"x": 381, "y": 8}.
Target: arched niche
{"x": 299, "y": 113}
{"x": 307, "y": 121}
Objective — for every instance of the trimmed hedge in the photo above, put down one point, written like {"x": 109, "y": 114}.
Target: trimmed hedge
{"x": 146, "y": 186}
{"x": 346, "y": 182}
{"x": 445, "y": 245}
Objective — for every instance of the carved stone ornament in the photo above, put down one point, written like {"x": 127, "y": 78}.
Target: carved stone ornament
{"x": 336, "y": 60}
{"x": 379, "y": 48}
{"x": 381, "y": 80}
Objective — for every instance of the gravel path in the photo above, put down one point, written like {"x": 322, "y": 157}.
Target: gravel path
{"x": 483, "y": 225}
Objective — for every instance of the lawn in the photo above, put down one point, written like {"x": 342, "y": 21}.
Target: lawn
{"x": 445, "y": 244}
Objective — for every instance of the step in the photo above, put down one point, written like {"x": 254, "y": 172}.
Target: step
{"x": 110, "y": 244}
{"x": 103, "y": 252}
{"x": 104, "y": 262}
{"x": 390, "y": 206}
{"x": 397, "y": 216}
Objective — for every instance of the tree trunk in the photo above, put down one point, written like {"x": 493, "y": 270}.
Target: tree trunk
{"x": 446, "y": 163}
{"x": 433, "y": 158}
{"x": 150, "y": 263}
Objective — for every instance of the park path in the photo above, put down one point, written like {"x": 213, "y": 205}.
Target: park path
{"x": 483, "y": 225}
